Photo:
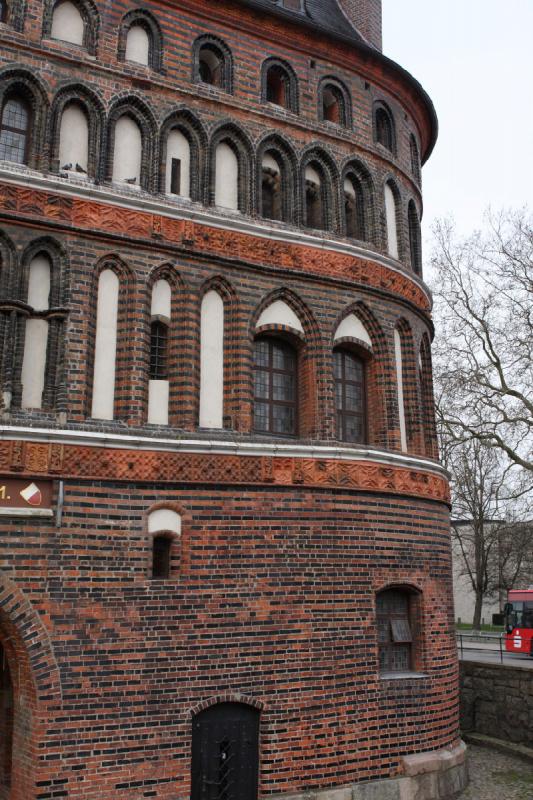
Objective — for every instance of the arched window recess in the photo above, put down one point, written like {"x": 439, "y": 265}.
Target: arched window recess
{"x": 213, "y": 63}
{"x": 279, "y": 85}
{"x": 334, "y": 103}
{"x": 75, "y": 22}
{"x": 164, "y": 529}
{"x": 141, "y": 40}
{"x": 384, "y": 127}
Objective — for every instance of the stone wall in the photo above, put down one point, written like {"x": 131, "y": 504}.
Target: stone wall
{"x": 497, "y": 701}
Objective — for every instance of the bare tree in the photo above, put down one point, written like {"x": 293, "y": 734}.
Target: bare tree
{"x": 484, "y": 348}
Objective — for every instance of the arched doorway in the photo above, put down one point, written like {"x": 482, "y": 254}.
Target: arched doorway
{"x": 6, "y": 723}
{"x": 225, "y": 753}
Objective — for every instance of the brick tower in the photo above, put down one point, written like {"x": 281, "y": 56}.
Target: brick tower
{"x": 225, "y": 559}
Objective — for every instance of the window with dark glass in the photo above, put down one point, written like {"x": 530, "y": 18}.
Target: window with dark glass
{"x": 271, "y": 194}
{"x": 158, "y": 351}
{"x": 175, "y": 176}
{"x": 3, "y": 11}
{"x": 384, "y": 129}
{"x": 350, "y": 396}
{"x": 162, "y": 545}
{"x": 14, "y": 128}
{"x": 415, "y": 159}
{"x": 274, "y": 387}
{"x": 395, "y": 638}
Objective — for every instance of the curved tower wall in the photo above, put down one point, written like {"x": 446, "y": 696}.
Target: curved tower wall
{"x": 174, "y": 570}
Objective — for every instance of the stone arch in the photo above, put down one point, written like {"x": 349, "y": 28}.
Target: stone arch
{"x": 94, "y": 110}
{"x": 18, "y": 81}
{"x": 321, "y": 161}
{"x": 227, "y": 697}
{"x": 343, "y": 95}
{"x": 91, "y": 21}
{"x": 288, "y": 82}
{"x": 218, "y": 46}
{"x": 287, "y": 159}
{"x": 192, "y": 128}
{"x": 238, "y": 140}
{"x": 356, "y": 171}
{"x": 141, "y": 113}
{"x": 146, "y": 20}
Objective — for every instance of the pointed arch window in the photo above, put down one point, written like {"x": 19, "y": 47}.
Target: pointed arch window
{"x": 271, "y": 188}
{"x": 391, "y": 218}
{"x": 415, "y": 159}
{"x": 15, "y": 130}
{"x": 354, "y": 209}
{"x": 314, "y": 199}
{"x": 275, "y": 387}
{"x": 415, "y": 245}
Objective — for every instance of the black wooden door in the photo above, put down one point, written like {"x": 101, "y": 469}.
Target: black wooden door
{"x": 225, "y": 753}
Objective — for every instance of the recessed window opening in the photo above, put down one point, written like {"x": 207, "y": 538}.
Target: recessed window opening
{"x": 161, "y": 550}
{"x": 175, "y": 176}
{"x": 332, "y": 105}
{"x": 210, "y": 65}
{"x": 33, "y": 374}
{"x": 415, "y": 159}
{"x": 395, "y": 636}
{"x": 414, "y": 239}
{"x": 275, "y": 408}
{"x": 74, "y": 140}
{"x": 3, "y": 11}
{"x": 391, "y": 212}
{"x": 350, "y": 394}
{"x": 313, "y": 199}
{"x": 6, "y": 720}
{"x": 277, "y": 86}
{"x": 271, "y": 205}
{"x": 14, "y": 132}
{"x": 354, "y": 209}
{"x": 384, "y": 129}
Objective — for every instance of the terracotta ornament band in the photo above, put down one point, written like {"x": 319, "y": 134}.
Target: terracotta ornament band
{"x": 98, "y": 463}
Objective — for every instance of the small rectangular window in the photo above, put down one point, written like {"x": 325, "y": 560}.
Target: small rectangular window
{"x": 175, "y": 176}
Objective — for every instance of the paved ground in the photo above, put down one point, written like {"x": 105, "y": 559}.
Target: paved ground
{"x": 494, "y": 776}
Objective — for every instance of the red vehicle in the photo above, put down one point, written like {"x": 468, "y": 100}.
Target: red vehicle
{"x": 519, "y": 622}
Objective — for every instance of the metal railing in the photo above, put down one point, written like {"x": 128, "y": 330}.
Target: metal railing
{"x": 467, "y": 641}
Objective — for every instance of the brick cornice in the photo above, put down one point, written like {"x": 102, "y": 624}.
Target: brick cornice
{"x": 74, "y": 213}
{"x": 72, "y": 461}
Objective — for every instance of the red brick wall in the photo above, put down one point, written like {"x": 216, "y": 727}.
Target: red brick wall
{"x": 274, "y": 600}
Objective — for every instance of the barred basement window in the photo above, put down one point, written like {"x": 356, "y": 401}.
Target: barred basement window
{"x": 158, "y": 351}
{"x": 274, "y": 387}
{"x": 162, "y": 545}
{"x": 14, "y": 131}
{"x": 395, "y": 638}
{"x": 350, "y": 396}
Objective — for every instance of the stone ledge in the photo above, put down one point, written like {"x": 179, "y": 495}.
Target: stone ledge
{"x": 438, "y": 775}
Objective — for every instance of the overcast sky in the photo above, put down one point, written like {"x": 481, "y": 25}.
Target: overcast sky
{"x": 474, "y": 58}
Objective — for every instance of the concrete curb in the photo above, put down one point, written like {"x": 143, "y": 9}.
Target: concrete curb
{"x": 507, "y": 748}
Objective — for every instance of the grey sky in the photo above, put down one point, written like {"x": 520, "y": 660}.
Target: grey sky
{"x": 474, "y": 57}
